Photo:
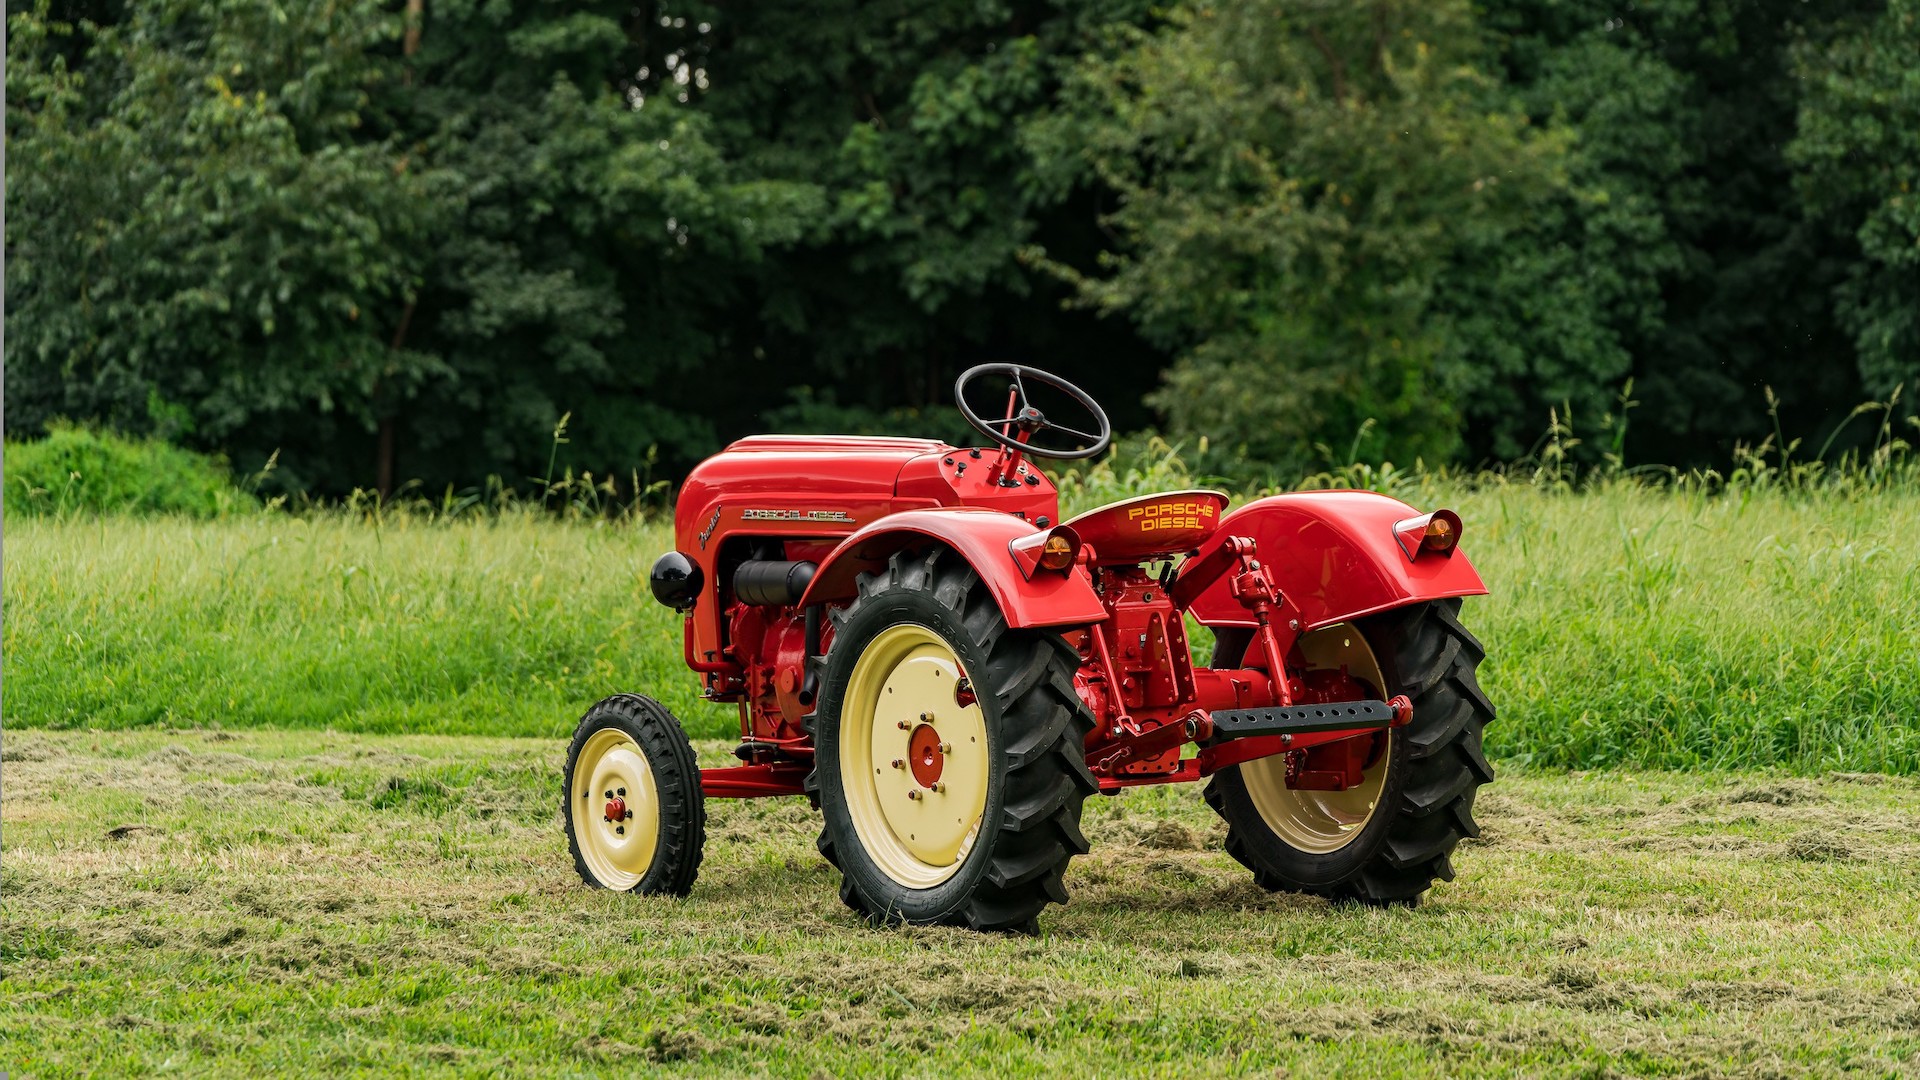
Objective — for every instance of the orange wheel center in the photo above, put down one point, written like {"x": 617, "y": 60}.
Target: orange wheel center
{"x": 924, "y": 756}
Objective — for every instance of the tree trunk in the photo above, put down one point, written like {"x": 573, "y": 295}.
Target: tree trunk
{"x": 386, "y": 458}
{"x": 383, "y": 466}
{"x": 410, "y": 44}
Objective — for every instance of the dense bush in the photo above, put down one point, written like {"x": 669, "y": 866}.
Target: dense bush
{"x": 77, "y": 470}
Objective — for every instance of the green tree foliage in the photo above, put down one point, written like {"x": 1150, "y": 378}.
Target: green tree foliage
{"x": 1313, "y": 200}
{"x": 395, "y": 239}
{"x": 1858, "y": 146}
{"x": 1687, "y": 225}
{"x": 598, "y": 243}
{"x": 908, "y": 115}
{"x": 197, "y": 240}
{"x": 270, "y": 229}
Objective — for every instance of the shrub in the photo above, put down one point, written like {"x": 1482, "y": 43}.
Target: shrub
{"x": 77, "y": 470}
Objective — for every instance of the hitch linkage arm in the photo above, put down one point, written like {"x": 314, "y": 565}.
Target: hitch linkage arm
{"x": 1256, "y": 592}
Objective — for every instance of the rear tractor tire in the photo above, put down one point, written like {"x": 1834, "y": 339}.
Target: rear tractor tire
{"x": 636, "y": 819}
{"x": 949, "y": 752}
{"x": 1387, "y": 840}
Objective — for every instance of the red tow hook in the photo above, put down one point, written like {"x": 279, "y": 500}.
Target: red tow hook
{"x": 1402, "y": 707}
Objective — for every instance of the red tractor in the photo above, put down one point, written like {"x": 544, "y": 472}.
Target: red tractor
{"x": 919, "y": 646}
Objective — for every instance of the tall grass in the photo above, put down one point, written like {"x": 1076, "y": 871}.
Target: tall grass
{"x": 1767, "y": 614}
{"x": 1647, "y": 626}
{"x": 1561, "y": 462}
{"x": 504, "y": 624}
{"x": 1629, "y": 624}
{"x": 1764, "y": 615}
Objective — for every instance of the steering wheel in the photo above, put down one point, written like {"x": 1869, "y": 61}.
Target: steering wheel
{"x": 1017, "y": 429}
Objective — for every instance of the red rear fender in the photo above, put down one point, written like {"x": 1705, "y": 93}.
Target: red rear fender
{"x": 1335, "y": 556}
{"x": 981, "y": 537}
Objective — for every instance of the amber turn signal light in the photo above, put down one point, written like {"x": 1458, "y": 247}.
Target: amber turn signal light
{"x": 1437, "y": 533}
{"x": 1057, "y": 554}
{"x": 1037, "y": 551}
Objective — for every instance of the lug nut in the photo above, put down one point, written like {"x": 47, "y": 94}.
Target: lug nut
{"x": 914, "y": 794}
{"x": 621, "y": 829}
{"x": 904, "y": 726}
{"x": 946, "y": 748}
{"x": 622, "y": 792}
{"x": 629, "y": 816}
{"x": 940, "y": 787}
{"x": 927, "y": 716}
{"x": 609, "y": 793}
{"x": 898, "y": 764}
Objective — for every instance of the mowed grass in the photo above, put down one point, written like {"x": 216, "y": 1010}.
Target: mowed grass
{"x": 1629, "y": 626}
{"x": 313, "y": 903}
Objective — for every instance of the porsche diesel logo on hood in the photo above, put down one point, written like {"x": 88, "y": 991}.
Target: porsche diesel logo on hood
{"x": 840, "y": 516}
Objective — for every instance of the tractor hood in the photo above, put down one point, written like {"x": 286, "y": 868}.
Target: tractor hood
{"x": 823, "y": 486}
{"x": 785, "y": 483}
{"x": 821, "y": 466}
{"x": 834, "y": 445}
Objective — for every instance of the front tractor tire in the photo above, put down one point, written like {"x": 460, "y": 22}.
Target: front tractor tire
{"x": 1387, "y": 840}
{"x": 636, "y": 819}
{"x": 949, "y": 753}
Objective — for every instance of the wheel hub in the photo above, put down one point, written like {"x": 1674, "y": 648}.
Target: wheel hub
{"x": 925, "y": 756}
{"x": 613, "y": 770}
{"x": 915, "y": 760}
{"x": 1310, "y": 816}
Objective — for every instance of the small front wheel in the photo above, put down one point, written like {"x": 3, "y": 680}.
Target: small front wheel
{"x": 636, "y": 820}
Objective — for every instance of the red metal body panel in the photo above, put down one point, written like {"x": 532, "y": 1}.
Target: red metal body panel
{"x": 955, "y": 477}
{"x": 981, "y": 537}
{"x": 825, "y": 478}
{"x": 1335, "y": 557}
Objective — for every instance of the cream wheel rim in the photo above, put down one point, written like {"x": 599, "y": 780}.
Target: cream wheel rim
{"x": 914, "y": 759}
{"x": 616, "y": 808}
{"x": 1322, "y": 822}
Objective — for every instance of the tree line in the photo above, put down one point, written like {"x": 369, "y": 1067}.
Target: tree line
{"x": 403, "y": 239}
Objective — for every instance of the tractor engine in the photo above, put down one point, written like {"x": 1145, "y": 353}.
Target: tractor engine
{"x": 769, "y": 638}
{"x": 775, "y": 694}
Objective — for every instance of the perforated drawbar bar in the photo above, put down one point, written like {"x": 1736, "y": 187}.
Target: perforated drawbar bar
{"x": 1300, "y": 719}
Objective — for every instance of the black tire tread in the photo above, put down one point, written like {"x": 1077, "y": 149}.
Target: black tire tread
{"x": 1030, "y": 673}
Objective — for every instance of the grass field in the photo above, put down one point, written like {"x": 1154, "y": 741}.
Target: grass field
{"x": 1630, "y": 626}
{"x": 280, "y": 797}
{"x": 213, "y": 903}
